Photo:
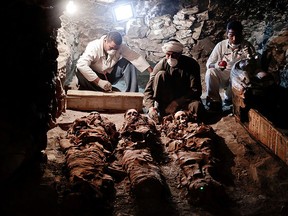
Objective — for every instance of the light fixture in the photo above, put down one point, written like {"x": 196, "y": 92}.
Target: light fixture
{"x": 71, "y": 7}
{"x": 123, "y": 12}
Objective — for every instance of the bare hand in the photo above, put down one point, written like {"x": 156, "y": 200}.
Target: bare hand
{"x": 105, "y": 85}
{"x": 153, "y": 114}
{"x": 150, "y": 69}
{"x": 247, "y": 52}
{"x": 172, "y": 107}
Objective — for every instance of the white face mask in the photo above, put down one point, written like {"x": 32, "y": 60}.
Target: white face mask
{"x": 172, "y": 62}
{"x": 111, "y": 52}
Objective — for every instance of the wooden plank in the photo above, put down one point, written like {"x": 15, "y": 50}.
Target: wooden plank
{"x": 239, "y": 107}
{"x": 101, "y": 101}
{"x": 265, "y": 132}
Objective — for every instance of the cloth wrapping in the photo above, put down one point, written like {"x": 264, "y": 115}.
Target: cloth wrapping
{"x": 172, "y": 46}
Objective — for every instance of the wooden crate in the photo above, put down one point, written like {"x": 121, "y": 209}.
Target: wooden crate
{"x": 102, "y": 101}
{"x": 265, "y": 132}
{"x": 238, "y": 104}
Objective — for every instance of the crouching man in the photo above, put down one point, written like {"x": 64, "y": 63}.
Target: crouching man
{"x": 174, "y": 84}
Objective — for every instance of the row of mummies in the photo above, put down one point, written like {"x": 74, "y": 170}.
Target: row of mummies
{"x": 97, "y": 154}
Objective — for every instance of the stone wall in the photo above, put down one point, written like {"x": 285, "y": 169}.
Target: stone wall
{"x": 198, "y": 24}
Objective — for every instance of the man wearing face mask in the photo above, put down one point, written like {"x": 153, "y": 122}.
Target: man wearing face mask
{"x": 105, "y": 61}
{"x": 174, "y": 84}
{"x": 219, "y": 64}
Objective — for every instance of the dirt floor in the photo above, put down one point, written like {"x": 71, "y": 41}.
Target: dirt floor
{"x": 255, "y": 182}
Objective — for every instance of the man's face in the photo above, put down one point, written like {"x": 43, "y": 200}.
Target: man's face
{"x": 170, "y": 54}
{"x": 110, "y": 45}
{"x": 234, "y": 36}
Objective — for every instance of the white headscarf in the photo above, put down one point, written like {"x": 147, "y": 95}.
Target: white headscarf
{"x": 172, "y": 46}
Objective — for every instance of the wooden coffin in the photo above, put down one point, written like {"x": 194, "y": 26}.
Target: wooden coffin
{"x": 265, "y": 132}
{"x": 101, "y": 101}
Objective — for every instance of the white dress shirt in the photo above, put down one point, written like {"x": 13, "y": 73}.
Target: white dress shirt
{"x": 223, "y": 51}
{"x": 94, "y": 59}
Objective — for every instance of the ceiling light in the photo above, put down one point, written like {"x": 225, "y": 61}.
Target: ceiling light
{"x": 123, "y": 12}
{"x": 71, "y": 7}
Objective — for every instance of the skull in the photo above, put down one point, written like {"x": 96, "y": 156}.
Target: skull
{"x": 181, "y": 118}
{"x": 131, "y": 114}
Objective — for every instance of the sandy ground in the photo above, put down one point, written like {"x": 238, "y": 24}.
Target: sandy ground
{"x": 255, "y": 182}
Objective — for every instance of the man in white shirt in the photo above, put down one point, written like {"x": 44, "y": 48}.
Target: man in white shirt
{"x": 105, "y": 61}
{"x": 224, "y": 55}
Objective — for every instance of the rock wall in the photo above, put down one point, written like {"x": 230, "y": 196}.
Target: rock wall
{"x": 30, "y": 94}
{"x": 198, "y": 24}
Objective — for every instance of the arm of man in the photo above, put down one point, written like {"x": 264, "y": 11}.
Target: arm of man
{"x": 83, "y": 64}
{"x": 148, "y": 100}
{"x": 90, "y": 56}
{"x": 104, "y": 84}
{"x": 216, "y": 55}
{"x": 136, "y": 59}
{"x": 195, "y": 89}
{"x": 248, "y": 49}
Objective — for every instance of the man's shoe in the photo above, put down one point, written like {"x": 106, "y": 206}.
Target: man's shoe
{"x": 227, "y": 102}
{"x": 214, "y": 107}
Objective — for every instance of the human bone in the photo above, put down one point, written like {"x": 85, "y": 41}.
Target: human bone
{"x": 181, "y": 117}
{"x": 131, "y": 114}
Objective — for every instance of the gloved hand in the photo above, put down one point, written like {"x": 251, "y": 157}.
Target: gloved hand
{"x": 172, "y": 107}
{"x": 221, "y": 64}
{"x": 105, "y": 85}
{"x": 153, "y": 114}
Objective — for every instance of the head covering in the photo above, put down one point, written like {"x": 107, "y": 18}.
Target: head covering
{"x": 172, "y": 46}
